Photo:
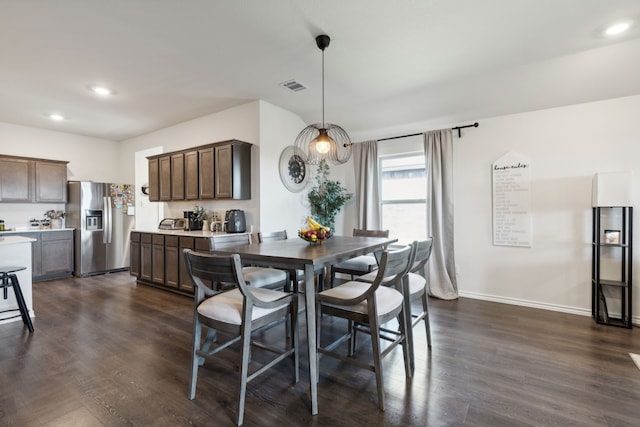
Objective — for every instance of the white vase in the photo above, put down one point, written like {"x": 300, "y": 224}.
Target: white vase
{"x": 56, "y": 223}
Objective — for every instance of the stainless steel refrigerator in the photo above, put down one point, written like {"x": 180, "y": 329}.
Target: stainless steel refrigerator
{"x": 103, "y": 217}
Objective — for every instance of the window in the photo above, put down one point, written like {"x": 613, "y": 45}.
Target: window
{"x": 403, "y": 194}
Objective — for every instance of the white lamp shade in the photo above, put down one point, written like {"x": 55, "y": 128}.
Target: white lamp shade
{"x": 612, "y": 189}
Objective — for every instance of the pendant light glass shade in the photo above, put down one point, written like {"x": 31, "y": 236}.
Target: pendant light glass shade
{"x": 323, "y": 141}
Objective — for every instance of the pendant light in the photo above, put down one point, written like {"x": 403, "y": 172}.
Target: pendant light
{"x": 323, "y": 141}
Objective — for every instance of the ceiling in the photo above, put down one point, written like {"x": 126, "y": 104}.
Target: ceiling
{"x": 389, "y": 63}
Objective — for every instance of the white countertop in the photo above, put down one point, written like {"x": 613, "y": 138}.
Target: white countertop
{"x": 194, "y": 233}
{"x": 14, "y": 240}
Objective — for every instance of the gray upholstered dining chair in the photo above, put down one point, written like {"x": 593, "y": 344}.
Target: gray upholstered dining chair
{"x": 295, "y": 275}
{"x": 362, "y": 264}
{"x": 415, "y": 287}
{"x": 240, "y": 312}
{"x": 260, "y": 277}
{"x": 370, "y": 305}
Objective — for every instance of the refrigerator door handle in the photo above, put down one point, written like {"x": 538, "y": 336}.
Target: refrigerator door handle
{"x": 106, "y": 212}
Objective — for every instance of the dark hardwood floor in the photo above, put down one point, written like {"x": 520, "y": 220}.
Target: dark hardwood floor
{"x": 108, "y": 352}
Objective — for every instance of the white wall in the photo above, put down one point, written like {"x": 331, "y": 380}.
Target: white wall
{"x": 566, "y": 147}
{"x": 280, "y": 209}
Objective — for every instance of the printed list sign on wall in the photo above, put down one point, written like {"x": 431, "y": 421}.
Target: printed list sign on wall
{"x": 511, "y": 176}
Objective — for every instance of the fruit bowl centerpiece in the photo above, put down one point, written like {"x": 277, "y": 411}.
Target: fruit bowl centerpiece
{"x": 315, "y": 233}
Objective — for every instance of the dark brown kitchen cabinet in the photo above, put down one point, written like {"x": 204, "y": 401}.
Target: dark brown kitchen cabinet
{"x": 51, "y": 182}
{"x": 177, "y": 176}
{"x": 164, "y": 166}
{"x": 134, "y": 253}
{"x": 146, "y": 250}
{"x": 161, "y": 262}
{"x": 221, "y": 170}
{"x": 27, "y": 180}
{"x": 172, "y": 261}
{"x": 154, "y": 179}
{"x": 186, "y": 284}
{"x": 191, "y": 169}
{"x": 157, "y": 258}
{"x": 233, "y": 170}
{"x": 206, "y": 174}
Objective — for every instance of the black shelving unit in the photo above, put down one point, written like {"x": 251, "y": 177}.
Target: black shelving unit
{"x": 612, "y": 244}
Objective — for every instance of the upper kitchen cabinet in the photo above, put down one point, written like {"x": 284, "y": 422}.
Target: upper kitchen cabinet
{"x": 51, "y": 182}
{"x": 220, "y": 170}
{"x": 206, "y": 173}
{"x": 154, "y": 179}
{"x": 16, "y": 182}
{"x": 233, "y": 170}
{"x": 191, "y": 186}
{"x": 165, "y": 177}
{"x": 177, "y": 176}
{"x": 26, "y": 180}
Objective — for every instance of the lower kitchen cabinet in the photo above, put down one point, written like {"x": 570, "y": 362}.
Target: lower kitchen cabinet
{"x": 134, "y": 270}
{"x": 157, "y": 258}
{"x": 57, "y": 254}
{"x": 161, "y": 262}
{"x": 51, "y": 254}
{"x": 145, "y": 257}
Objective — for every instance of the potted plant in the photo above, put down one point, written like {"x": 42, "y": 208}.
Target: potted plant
{"x": 198, "y": 215}
{"x": 327, "y": 197}
{"x": 55, "y": 217}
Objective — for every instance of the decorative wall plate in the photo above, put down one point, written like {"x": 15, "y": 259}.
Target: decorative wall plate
{"x": 294, "y": 172}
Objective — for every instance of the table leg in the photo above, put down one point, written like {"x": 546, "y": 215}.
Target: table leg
{"x": 310, "y": 306}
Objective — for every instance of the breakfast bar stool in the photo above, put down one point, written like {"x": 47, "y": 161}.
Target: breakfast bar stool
{"x": 8, "y": 279}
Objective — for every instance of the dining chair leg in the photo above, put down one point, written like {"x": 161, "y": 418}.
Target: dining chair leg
{"x": 377, "y": 359}
{"x": 244, "y": 368}
{"x": 351, "y": 325}
{"x": 407, "y": 344}
{"x": 427, "y": 324}
{"x": 195, "y": 359}
{"x": 295, "y": 341}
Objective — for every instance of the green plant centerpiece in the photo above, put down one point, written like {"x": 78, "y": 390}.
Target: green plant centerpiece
{"x": 327, "y": 197}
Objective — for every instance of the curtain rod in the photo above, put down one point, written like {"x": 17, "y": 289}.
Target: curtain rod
{"x": 458, "y": 128}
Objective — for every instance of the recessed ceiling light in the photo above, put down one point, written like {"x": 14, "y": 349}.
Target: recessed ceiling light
{"x": 57, "y": 117}
{"x": 101, "y": 90}
{"x": 618, "y": 28}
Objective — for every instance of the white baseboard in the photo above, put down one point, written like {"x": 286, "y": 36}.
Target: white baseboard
{"x": 534, "y": 304}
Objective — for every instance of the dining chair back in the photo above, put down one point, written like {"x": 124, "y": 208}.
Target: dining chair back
{"x": 417, "y": 285}
{"x": 362, "y": 264}
{"x": 261, "y": 277}
{"x": 370, "y": 305}
{"x": 238, "y": 312}
{"x": 295, "y": 275}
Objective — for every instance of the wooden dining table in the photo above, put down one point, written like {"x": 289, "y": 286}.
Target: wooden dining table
{"x": 297, "y": 254}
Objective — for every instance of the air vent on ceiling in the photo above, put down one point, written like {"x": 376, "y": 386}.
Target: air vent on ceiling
{"x": 293, "y": 85}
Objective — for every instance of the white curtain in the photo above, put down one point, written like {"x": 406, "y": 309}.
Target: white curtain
{"x": 441, "y": 276}
{"x": 365, "y": 159}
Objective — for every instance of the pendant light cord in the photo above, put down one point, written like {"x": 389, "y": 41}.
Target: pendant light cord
{"x": 323, "y": 88}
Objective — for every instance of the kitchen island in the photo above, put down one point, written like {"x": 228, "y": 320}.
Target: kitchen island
{"x": 15, "y": 251}
{"x": 157, "y": 260}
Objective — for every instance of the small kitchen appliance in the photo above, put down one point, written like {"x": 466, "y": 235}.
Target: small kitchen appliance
{"x": 234, "y": 221}
{"x": 172, "y": 224}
